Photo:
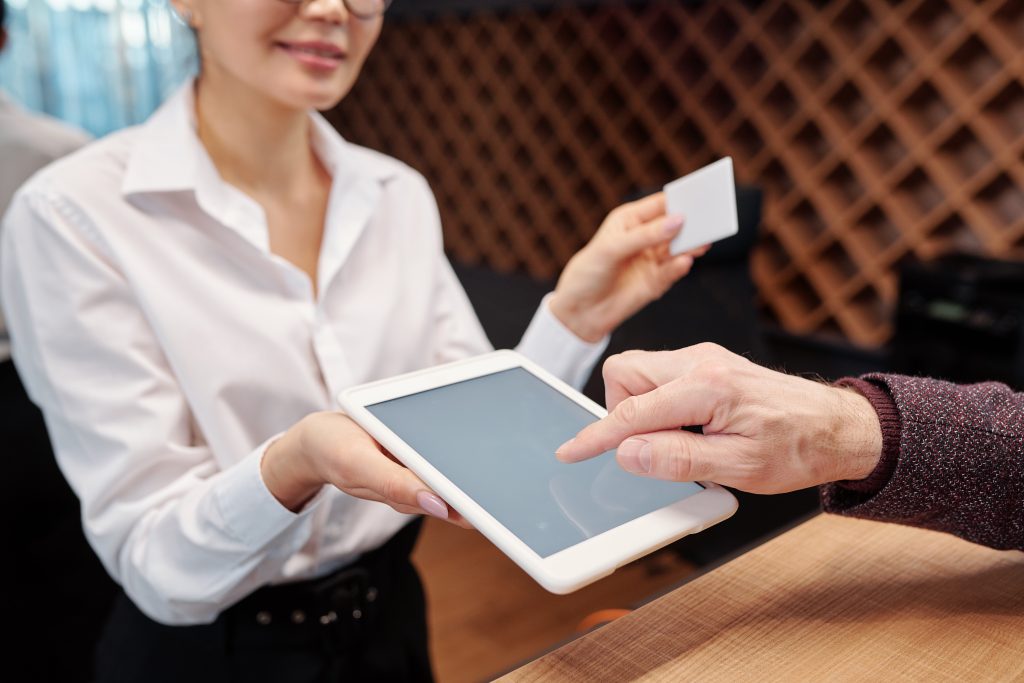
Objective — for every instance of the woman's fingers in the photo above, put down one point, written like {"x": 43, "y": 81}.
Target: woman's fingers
{"x": 650, "y": 235}
{"x": 661, "y": 253}
{"x": 368, "y": 472}
{"x": 400, "y": 486}
{"x": 458, "y": 520}
{"x": 643, "y": 224}
{"x": 453, "y": 518}
{"x": 675, "y": 268}
{"x": 355, "y": 463}
{"x": 648, "y": 208}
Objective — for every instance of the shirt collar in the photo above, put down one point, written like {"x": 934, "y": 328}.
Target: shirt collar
{"x": 169, "y": 157}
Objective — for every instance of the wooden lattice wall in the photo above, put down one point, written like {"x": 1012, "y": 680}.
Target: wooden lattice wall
{"x": 877, "y": 128}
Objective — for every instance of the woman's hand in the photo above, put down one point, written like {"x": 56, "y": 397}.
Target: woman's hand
{"x": 624, "y": 267}
{"x": 763, "y": 431}
{"x": 329, "y": 448}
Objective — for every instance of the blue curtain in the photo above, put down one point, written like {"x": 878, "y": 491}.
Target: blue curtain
{"x": 99, "y": 64}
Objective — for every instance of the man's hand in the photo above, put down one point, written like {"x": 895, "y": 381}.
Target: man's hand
{"x": 763, "y": 431}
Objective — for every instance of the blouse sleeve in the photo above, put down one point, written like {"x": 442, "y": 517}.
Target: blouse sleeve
{"x": 184, "y": 537}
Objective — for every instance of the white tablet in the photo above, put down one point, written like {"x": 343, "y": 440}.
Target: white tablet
{"x": 482, "y": 433}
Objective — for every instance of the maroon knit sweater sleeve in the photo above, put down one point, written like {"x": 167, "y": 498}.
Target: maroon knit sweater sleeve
{"x": 952, "y": 460}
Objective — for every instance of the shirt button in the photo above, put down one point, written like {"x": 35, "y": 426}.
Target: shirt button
{"x": 263, "y": 618}
{"x": 328, "y": 618}
{"x": 298, "y": 616}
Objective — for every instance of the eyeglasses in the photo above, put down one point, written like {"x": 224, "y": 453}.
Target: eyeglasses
{"x": 361, "y": 9}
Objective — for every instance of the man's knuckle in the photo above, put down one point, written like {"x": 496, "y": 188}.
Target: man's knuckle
{"x": 713, "y": 373}
{"x": 678, "y": 465}
{"x": 707, "y": 348}
{"x": 614, "y": 365}
{"x": 628, "y": 411}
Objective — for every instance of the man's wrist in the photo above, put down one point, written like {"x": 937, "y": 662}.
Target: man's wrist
{"x": 860, "y": 436}
{"x": 890, "y": 421}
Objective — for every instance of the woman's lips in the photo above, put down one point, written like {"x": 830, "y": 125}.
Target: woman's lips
{"x": 316, "y": 55}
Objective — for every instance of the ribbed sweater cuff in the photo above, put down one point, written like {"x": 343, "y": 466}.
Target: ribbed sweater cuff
{"x": 889, "y": 419}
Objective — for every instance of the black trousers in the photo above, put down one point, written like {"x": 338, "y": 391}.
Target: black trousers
{"x": 366, "y": 622}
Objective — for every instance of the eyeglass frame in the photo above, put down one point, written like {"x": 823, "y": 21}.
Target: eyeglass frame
{"x": 348, "y": 6}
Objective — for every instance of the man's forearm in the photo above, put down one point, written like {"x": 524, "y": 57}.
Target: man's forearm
{"x": 953, "y": 460}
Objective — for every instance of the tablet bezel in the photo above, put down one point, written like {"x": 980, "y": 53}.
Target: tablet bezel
{"x": 568, "y": 569}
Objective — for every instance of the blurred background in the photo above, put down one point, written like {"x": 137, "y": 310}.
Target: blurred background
{"x": 878, "y": 147}
{"x": 98, "y": 64}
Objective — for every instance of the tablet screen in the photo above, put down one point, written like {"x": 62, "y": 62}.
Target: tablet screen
{"x": 495, "y": 438}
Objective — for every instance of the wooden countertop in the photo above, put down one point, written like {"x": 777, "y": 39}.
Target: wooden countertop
{"x": 832, "y": 599}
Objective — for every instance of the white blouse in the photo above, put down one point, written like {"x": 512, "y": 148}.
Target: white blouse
{"x": 28, "y": 142}
{"x": 167, "y": 346}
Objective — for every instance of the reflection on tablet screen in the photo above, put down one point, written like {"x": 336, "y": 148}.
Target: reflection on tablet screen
{"x": 495, "y": 438}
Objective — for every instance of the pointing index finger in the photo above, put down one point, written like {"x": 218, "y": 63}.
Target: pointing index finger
{"x": 670, "y": 406}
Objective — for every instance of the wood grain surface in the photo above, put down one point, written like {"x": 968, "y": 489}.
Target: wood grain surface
{"x": 833, "y": 599}
{"x": 487, "y": 616}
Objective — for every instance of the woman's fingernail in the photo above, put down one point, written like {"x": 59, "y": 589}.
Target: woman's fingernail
{"x": 564, "y": 446}
{"x": 432, "y": 505}
{"x": 672, "y": 224}
{"x": 635, "y": 456}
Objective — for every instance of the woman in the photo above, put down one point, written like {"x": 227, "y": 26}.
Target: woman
{"x": 185, "y": 299}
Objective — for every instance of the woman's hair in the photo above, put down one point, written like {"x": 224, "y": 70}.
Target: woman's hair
{"x": 3, "y": 13}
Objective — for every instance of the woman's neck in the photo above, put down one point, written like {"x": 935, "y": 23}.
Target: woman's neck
{"x": 257, "y": 144}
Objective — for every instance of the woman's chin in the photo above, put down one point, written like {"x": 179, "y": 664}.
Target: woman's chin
{"x": 317, "y": 97}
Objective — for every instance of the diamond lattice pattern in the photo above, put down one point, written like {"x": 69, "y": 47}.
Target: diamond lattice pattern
{"x": 877, "y": 128}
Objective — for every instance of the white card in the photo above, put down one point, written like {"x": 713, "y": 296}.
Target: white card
{"x": 707, "y": 200}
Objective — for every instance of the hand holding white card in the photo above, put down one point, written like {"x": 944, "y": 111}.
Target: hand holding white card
{"x": 707, "y": 200}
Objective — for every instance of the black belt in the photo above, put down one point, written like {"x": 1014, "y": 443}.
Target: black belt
{"x": 347, "y": 594}
{"x": 337, "y": 607}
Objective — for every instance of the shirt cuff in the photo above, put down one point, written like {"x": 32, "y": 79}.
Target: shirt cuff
{"x": 250, "y": 511}
{"x": 553, "y": 346}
